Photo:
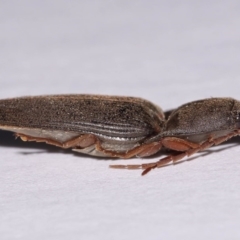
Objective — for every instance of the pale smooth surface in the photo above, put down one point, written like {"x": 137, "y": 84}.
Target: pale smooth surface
{"x": 169, "y": 52}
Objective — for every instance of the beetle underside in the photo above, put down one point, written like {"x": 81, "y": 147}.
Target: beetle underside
{"x": 91, "y": 145}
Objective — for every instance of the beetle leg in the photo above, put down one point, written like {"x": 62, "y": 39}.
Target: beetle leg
{"x": 171, "y": 143}
{"x": 81, "y": 141}
{"x": 174, "y": 158}
{"x": 149, "y": 149}
{"x": 144, "y": 150}
{"x": 210, "y": 142}
{"x": 178, "y": 144}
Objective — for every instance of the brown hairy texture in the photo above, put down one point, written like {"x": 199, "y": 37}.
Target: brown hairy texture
{"x": 201, "y": 117}
{"x": 112, "y": 116}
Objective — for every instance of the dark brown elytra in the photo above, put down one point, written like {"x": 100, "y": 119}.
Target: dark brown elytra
{"x": 121, "y": 127}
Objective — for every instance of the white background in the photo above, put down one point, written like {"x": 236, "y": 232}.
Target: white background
{"x": 169, "y": 52}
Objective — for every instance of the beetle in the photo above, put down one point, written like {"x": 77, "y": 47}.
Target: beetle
{"x": 122, "y": 127}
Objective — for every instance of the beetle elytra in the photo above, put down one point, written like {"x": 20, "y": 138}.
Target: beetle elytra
{"x": 122, "y": 127}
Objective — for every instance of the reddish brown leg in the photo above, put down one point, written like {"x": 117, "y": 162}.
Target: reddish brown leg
{"x": 174, "y": 158}
{"x": 88, "y": 140}
{"x": 169, "y": 142}
{"x": 188, "y": 153}
{"x": 141, "y": 151}
{"x": 81, "y": 141}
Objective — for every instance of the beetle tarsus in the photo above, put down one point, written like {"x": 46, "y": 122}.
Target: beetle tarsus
{"x": 147, "y": 170}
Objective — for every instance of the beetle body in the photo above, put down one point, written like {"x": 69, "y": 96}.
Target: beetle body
{"x": 121, "y": 126}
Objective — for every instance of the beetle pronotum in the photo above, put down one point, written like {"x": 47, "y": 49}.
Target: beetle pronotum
{"x": 122, "y": 127}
